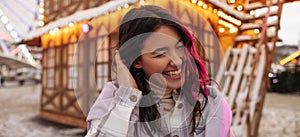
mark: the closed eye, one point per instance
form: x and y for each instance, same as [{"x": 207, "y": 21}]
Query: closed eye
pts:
[
  {"x": 180, "y": 47},
  {"x": 159, "y": 54}
]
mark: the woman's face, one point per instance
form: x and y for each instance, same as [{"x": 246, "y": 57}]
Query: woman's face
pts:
[{"x": 163, "y": 57}]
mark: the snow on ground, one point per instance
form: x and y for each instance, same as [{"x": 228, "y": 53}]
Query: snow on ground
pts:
[
  {"x": 281, "y": 116},
  {"x": 19, "y": 115}
]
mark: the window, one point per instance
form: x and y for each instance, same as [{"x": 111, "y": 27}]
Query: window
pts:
[
  {"x": 72, "y": 56},
  {"x": 50, "y": 67},
  {"x": 102, "y": 62}
]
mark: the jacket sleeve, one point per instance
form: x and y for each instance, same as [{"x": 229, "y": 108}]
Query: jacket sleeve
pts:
[
  {"x": 217, "y": 116},
  {"x": 218, "y": 125},
  {"x": 111, "y": 113}
]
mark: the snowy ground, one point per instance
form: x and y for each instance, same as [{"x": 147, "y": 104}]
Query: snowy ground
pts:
[
  {"x": 20, "y": 108},
  {"x": 281, "y": 116},
  {"x": 19, "y": 115}
]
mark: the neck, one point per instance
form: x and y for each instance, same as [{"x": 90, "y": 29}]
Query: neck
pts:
[{"x": 160, "y": 91}]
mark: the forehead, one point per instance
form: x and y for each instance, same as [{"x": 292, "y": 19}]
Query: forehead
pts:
[{"x": 164, "y": 36}]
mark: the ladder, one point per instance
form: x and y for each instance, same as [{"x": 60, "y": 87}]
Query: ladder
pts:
[{"x": 243, "y": 71}]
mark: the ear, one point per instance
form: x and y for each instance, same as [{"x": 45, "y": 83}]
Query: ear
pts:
[{"x": 138, "y": 64}]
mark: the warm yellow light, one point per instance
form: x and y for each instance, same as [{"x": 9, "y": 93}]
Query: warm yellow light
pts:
[
  {"x": 221, "y": 30},
  {"x": 238, "y": 22},
  {"x": 240, "y": 7},
  {"x": 215, "y": 10},
  {"x": 231, "y": 1},
  {"x": 229, "y": 18},
  {"x": 71, "y": 24},
  {"x": 56, "y": 30},
  {"x": 289, "y": 58},
  {"x": 200, "y": 3},
  {"x": 252, "y": 12},
  {"x": 42, "y": 4},
  {"x": 220, "y": 21},
  {"x": 220, "y": 13},
  {"x": 232, "y": 30},
  {"x": 142, "y": 2},
  {"x": 41, "y": 10},
  {"x": 194, "y": 1},
  {"x": 41, "y": 23},
  {"x": 41, "y": 17},
  {"x": 256, "y": 31},
  {"x": 51, "y": 32},
  {"x": 226, "y": 24},
  {"x": 204, "y": 6}
]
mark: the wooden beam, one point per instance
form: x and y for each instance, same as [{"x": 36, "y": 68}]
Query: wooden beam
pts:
[{"x": 64, "y": 119}]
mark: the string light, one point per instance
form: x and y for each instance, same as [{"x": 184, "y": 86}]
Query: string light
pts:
[
  {"x": 119, "y": 8},
  {"x": 239, "y": 7},
  {"x": 9, "y": 27},
  {"x": 51, "y": 32},
  {"x": 56, "y": 30},
  {"x": 41, "y": 23},
  {"x": 14, "y": 34},
  {"x": 231, "y": 1},
  {"x": 231, "y": 27},
  {"x": 4, "y": 19},
  {"x": 71, "y": 24},
  {"x": 41, "y": 17},
  {"x": 41, "y": 4},
  {"x": 221, "y": 14},
  {"x": 233, "y": 30},
  {"x": 229, "y": 18},
  {"x": 85, "y": 26},
  {"x": 41, "y": 11},
  {"x": 252, "y": 12},
  {"x": 215, "y": 10},
  {"x": 221, "y": 30},
  {"x": 126, "y": 6},
  {"x": 200, "y": 3},
  {"x": 142, "y": 2}
]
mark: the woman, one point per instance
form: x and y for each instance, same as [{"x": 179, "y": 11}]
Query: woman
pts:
[{"x": 161, "y": 87}]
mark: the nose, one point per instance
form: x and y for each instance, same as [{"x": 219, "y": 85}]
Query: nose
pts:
[{"x": 176, "y": 61}]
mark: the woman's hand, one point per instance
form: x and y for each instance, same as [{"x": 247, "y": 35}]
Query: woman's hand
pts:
[{"x": 123, "y": 75}]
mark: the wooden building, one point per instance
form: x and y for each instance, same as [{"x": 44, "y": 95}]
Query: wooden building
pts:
[{"x": 78, "y": 47}]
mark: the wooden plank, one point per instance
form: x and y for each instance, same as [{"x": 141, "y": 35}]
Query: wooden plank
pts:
[
  {"x": 64, "y": 119},
  {"x": 237, "y": 92}
]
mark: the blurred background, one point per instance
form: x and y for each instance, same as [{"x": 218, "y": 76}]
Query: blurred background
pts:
[{"x": 55, "y": 58}]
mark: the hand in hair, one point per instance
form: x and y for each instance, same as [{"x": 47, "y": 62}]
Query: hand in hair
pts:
[{"x": 123, "y": 75}]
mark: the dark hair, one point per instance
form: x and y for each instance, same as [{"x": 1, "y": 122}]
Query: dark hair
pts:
[{"x": 147, "y": 19}]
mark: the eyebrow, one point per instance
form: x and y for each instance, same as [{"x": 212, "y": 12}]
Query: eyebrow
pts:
[
  {"x": 165, "y": 48},
  {"x": 180, "y": 40}
]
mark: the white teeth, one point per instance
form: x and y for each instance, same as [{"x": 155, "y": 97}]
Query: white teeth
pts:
[{"x": 177, "y": 72}]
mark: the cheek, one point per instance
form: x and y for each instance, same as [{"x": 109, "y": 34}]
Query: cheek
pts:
[{"x": 154, "y": 66}]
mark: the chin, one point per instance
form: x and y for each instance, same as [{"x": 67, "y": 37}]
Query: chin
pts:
[{"x": 174, "y": 85}]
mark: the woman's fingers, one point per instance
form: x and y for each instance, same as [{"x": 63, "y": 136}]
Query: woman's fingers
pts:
[
  {"x": 118, "y": 58},
  {"x": 123, "y": 75},
  {"x": 121, "y": 68}
]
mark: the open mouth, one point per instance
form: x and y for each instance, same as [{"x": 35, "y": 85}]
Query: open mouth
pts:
[{"x": 174, "y": 74}]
